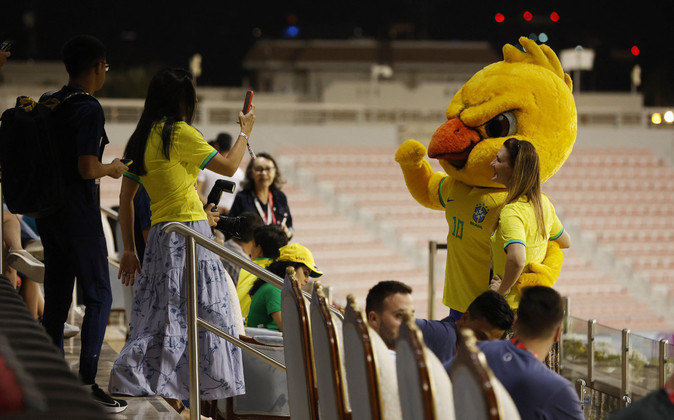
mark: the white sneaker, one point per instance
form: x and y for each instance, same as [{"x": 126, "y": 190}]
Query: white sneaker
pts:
[
  {"x": 69, "y": 330},
  {"x": 22, "y": 261}
]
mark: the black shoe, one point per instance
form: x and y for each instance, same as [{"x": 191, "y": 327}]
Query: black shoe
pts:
[{"x": 109, "y": 404}]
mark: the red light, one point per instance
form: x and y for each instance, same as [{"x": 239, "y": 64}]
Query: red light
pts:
[
  {"x": 554, "y": 16},
  {"x": 635, "y": 50},
  {"x": 499, "y": 18},
  {"x": 528, "y": 16}
]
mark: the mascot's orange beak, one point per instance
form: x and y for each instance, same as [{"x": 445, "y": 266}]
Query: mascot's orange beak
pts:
[{"x": 453, "y": 142}]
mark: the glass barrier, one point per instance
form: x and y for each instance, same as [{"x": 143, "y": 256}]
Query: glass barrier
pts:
[
  {"x": 607, "y": 356},
  {"x": 644, "y": 362},
  {"x": 574, "y": 346}
]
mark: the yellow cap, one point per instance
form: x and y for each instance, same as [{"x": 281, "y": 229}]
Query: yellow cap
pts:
[{"x": 300, "y": 254}]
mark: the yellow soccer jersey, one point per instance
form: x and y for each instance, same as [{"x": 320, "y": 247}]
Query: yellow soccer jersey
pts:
[
  {"x": 470, "y": 215},
  {"x": 245, "y": 283},
  {"x": 517, "y": 224},
  {"x": 171, "y": 183}
]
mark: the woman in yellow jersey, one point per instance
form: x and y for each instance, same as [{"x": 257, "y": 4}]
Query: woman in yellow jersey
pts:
[
  {"x": 525, "y": 222},
  {"x": 167, "y": 154}
]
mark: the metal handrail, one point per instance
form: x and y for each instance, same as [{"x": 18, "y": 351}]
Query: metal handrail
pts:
[
  {"x": 192, "y": 238},
  {"x": 110, "y": 213},
  {"x": 237, "y": 259}
]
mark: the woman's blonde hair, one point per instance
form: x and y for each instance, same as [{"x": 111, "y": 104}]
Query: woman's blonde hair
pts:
[{"x": 525, "y": 180}]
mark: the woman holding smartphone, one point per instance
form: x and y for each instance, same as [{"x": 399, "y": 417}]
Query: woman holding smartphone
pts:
[
  {"x": 526, "y": 221},
  {"x": 167, "y": 154}
]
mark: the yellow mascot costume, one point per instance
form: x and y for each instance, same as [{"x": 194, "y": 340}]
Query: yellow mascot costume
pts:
[{"x": 526, "y": 96}]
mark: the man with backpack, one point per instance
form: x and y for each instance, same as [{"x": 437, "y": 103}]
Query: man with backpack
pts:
[{"x": 73, "y": 239}]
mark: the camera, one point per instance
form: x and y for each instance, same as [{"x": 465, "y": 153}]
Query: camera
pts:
[{"x": 228, "y": 225}]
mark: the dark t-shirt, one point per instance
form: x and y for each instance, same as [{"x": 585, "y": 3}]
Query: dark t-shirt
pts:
[
  {"x": 538, "y": 392},
  {"x": 245, "y": 201},
  {"x": 79, "y": 130},
  {"x": 78, "y": 125},
  {"x": 439, "y": 337}
]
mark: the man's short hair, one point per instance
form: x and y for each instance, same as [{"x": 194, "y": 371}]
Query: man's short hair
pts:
[
  {"x": 82, "y": 53},
  {"x": 540, "y": 312},
  {"x": 249, "y": 222},
  {"x": 270, "y": 238},
  {"x": 382, "y": 290},
  {"x": 223, "y": 141},
  {"x": 493, "y": 307}
]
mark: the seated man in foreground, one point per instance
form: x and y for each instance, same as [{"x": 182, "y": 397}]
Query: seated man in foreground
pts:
[
  {"x": 537, "y": 391},
  {"x": 384, "y": 307},
  {"x": 489, "y": 316}
]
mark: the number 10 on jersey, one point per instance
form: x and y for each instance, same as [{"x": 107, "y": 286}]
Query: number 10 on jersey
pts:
[{"x": 457, "y": 231}]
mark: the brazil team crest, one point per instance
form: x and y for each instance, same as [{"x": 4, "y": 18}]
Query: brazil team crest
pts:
[{"x": 480, "y": 213}]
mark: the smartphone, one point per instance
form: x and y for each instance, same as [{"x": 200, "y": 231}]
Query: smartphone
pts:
[
  {"x": 6, "y": 45},
  {"x": 247, "y": 102},
  {"x": 126, "y": 162}
]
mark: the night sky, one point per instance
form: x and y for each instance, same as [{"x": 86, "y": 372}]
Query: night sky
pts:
[{"x": 152, "y": 34}]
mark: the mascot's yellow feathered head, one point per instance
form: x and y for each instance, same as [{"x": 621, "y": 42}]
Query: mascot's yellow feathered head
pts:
[{"x": 527, "y": 96}]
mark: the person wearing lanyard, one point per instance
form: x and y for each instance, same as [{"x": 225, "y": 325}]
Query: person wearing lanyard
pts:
[
  {"x": 262, "y": 194},
  {"x": 537, "y": 391}
]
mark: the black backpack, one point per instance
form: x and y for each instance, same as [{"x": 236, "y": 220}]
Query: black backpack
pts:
[{"x": 32, "y": 172}]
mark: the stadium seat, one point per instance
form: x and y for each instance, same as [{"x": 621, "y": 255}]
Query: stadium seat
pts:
[
  {"x": 298, "y": 352},
  {"x": 370, "y": 369},
  {"x": 478, "y": 394},
  {"x": 426, "y": 391},
  {"x": 326, "y": 333}
]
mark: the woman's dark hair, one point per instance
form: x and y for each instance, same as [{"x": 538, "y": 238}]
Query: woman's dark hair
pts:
[
  {"x": 270, "y": 238},
  {"x": 278, "y": 268},
  {"x": 249, "y": 182},
  {"x": 171, "y": 97}
]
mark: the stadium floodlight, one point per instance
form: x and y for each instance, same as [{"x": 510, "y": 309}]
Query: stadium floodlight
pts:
[
  {"x": 669, "y": 117},
  {"x": 656, "y": 118}
]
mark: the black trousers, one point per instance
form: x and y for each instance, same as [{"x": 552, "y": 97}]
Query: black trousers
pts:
[{"x": 74, "y": 246}]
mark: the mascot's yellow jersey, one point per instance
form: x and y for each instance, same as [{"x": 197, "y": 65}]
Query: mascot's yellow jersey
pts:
[
  {"x": 470, "y": 213},
  {"x": 517, "y": 224}
]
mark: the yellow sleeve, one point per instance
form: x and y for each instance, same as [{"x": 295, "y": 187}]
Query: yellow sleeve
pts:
[
  {"x": 557, "y": 228},
  {"x": 192, "y": 149},
  {"x": 512, "y": 227}
]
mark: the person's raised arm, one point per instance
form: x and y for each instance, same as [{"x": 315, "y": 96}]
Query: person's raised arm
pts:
[
  {"x": 128, "y": 264},
  {"x": 228, "y": 165}
]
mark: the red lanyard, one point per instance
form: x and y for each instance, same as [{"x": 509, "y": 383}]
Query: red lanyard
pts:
[
  {"x": 519, "y": 345},
  {"x": 270, "y": 217}
]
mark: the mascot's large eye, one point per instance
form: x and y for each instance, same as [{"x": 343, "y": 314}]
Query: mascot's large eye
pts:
[{"x": 502, "y": 125}]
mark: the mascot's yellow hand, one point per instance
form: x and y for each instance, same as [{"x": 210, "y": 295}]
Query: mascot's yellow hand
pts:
[
  {"x": 422, "y": 182},
  {"x": 410, "y": 153},
  {"x": 546, "y": 273}
]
